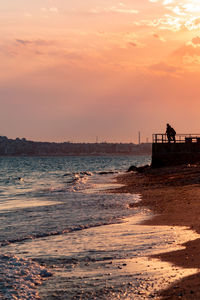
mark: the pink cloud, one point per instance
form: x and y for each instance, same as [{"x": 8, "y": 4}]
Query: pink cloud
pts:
[
  {"x": 196, "y": 40},
  {"x": 164, "y": 68}
]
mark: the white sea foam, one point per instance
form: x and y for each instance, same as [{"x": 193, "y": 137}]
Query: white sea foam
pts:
[
  {"x": 20, "y": 277},
  {"x": 109, "y": 262},
  {"x": 51, "y": 202}
]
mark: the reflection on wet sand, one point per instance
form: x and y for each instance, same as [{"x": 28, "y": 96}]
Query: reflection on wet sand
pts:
[{"x": 112, "y": 261}]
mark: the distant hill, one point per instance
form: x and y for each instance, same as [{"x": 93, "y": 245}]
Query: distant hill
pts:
[{"x": 20, "y": 147}]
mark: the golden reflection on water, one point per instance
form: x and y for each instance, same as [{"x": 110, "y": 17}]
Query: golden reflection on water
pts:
[
  {"x": 113, "y": 253},
  {"x": 17, "y": 204}
]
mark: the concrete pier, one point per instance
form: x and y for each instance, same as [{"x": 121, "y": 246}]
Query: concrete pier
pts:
[{"x": 186, "y": 150}]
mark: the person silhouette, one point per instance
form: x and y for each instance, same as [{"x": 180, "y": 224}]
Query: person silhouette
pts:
[{"x": 171, "y": 133}]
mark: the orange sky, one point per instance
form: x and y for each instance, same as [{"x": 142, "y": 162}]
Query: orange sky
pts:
[{"x": 99, "y": 68}]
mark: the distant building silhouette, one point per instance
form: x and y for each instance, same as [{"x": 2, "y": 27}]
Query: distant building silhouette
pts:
[{"x": 25, "y": 147}]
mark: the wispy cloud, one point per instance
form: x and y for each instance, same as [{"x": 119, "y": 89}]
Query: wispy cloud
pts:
[
  {"x": 196, "y": 41},
  {"x": 174, "y": 15},
  {"x": 27, "y": 15},
  {"x": 51, "y": 9},
  {"x": 38, "y": 42},
  {"x": 187, "y": 56},
  {"x": 164, "y": 68},
  {"x": 166, "y": 22},
  {"x": 159, "y": 37},
  {"x": 121, "y": 40},
  {"x": 121, "y": 8}
]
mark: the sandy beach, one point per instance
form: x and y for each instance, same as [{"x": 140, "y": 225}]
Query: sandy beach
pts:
[{"x": 173, "y": 194}]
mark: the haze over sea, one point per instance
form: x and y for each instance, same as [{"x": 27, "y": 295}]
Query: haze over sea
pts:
[{"x": 64, "y": 237}]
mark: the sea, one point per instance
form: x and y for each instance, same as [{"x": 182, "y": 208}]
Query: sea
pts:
[{"x": 64, "y": 236}]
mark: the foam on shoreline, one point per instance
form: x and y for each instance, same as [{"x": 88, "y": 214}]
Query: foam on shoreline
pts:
[
  {"x": 110, "y": 261},
  {"x": 20, "y": 277}
]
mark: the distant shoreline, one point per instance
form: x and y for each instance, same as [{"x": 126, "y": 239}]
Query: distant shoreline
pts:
[
  {"x": 23, "y": 147},
  {"x": 78, "y": 155}
]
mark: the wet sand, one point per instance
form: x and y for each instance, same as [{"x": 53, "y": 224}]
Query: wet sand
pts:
[{"x": 173, "y": 194}]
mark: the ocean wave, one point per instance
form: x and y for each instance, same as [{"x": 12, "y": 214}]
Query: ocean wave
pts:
[
  {"x": 72, "y": 182},
  {"x": 4, "y": 243},
  {"x": 12, "y": 180},
  {"x": 78, "y": 176},
  {"x": 77, "y": 181},
  {"x": 20, "y": 277},
  {"x": 81, "y": 176}
]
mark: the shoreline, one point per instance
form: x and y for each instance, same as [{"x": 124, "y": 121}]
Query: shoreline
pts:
[
  {"x": 173, "y": 195},
  {"x": 75, "y": 155}
]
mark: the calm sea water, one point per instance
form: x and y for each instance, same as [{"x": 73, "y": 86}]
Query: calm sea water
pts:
[
  {"x": 44, "y": 196},
  {"x": 63, "y": 237}
]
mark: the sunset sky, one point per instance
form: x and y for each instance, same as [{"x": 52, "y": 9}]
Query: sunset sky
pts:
[{"x": 74, "y": 70}]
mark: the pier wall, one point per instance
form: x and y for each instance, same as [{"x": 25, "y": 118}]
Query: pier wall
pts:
[{"x": 167, "y": 154}]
